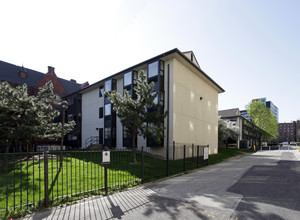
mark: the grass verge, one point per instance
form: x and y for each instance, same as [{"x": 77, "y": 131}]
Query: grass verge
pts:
[{"x": 83, "y": 175}]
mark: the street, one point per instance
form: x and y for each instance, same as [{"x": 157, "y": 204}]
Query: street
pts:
[{"x": 264, "y": 185}]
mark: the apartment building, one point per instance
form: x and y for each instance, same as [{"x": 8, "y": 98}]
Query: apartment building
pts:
[
  {"x": 184, "y": 90},
  {"x": 287, "y": 131},
  {"x": 248, "y": 133}
]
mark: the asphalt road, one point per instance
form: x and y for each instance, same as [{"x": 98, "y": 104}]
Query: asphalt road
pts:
[{"x": 265, "y": 185}]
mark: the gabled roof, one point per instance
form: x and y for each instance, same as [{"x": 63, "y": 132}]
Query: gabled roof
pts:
[
  {"x": 235, "y": 112},
  {"x": 161, "y": 56},
  {"x": 11, "y": 73},
  {"x": 192, "y": 57}
]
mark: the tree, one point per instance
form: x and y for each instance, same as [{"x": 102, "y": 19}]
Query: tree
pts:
[
  {"x": 24, "y": 118},
  {"x": 263, "y": 118},
  {"x": 141, "y": 116},
  {"x": 226, "y": 130}
]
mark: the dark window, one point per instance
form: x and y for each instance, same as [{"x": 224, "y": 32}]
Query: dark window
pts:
[
  {"x": 101, "y": 112},
  {"x": 101, "y": 136},
  {"x": 114, "y": 84},
  {"x": 101, "y": 91},
  {"x": 126, "y": 134},
  {"x": 107, "y": 134}
]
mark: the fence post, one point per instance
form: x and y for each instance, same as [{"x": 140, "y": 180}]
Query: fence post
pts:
[
  {"x": 197, "y": 156},
  {"x": 193, "y": 151},
  {"x": 142, "y": 166},
  {"x": 46, "y": 178},
  {"x": 167, "y": 162},
  {"x": 173, "y": 150},
  {"x": 105, "y": 179},
  {"x": 184, "y": 164}
]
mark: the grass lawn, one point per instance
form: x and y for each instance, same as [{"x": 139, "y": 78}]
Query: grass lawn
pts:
[
  {"x": 225, "y": 153},
  {"x": 83, "y": 173}
]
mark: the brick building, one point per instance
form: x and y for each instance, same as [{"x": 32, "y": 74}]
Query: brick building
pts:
[
  {"x": 287, "y": 131},
  {"x": 63, "y": 89}
]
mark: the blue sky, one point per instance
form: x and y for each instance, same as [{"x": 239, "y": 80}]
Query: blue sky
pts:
[{"x": 249, "y": 47}]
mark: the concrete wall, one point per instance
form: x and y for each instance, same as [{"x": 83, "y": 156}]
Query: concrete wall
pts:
[
  {"x": 194, "y": 120},
  {"x": 91, "y": 102}
]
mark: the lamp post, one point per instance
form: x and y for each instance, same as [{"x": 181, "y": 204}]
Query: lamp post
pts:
[{"x": 64, "y": 105}]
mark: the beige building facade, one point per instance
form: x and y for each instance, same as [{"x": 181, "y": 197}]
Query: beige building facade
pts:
[{"x": 186, "y": 92}]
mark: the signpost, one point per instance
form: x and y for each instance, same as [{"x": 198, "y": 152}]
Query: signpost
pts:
[
  {"x": 105, "y": 157},
  {"x": 205, "y": 153},
  {"x": 105, "y": 161}
]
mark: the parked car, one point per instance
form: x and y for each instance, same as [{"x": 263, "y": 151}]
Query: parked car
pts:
[
  {"x": 284, "y": 144},
  {"x": 293, "y": 143}
]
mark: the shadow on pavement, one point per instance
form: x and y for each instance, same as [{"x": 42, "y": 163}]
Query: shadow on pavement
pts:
[{"x": 264, "y": 186}]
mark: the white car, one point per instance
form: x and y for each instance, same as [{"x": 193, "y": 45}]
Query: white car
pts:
[
  {"x": 293, "y": 143},
  {"x": 284, "y": 144}
]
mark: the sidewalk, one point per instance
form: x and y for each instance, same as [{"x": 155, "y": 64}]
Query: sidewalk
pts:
[
  {"x": 109, "y": 207},
  {"x": 277, "y": 153}
]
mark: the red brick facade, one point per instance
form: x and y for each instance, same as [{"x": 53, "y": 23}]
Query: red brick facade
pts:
[{"x": 51, "y": 76}]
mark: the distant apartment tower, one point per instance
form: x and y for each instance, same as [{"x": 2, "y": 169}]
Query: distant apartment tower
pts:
[
  {"x": 273, "y": 108},
  {"x": 287, "y": 131}
]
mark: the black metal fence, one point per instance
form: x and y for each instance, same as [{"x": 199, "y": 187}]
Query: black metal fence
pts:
[{"x": 40, "y": 179}]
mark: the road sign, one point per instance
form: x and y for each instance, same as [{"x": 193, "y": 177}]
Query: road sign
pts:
[
  {"x": 205, "y": 153},
  {"x": 105, "y": 156}
]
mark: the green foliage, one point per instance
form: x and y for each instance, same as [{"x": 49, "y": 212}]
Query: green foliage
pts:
[
  {"x": 263, "y": 118},
  {"x": 23, "y": 118},
  {"x": 135, "y": 115},
  {"x": 226, "y": 130}
]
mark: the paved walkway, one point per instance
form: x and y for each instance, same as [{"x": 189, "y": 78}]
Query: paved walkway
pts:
[{"x": 264, "y": 185}]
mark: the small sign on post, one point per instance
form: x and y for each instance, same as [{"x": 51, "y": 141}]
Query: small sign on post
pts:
[
  {"x": 105, "y": 157},
  {"x": 205, "y": 153}
]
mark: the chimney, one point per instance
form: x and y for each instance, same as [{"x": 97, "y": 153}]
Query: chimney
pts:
[
  {"x": 73, "y": 80},
  {"x": 51, "y": 70},
  {"x": 22, "y": 73}
]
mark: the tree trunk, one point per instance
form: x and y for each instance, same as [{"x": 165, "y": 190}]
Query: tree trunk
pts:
[
  {"x": 30, "y": 150},
  {"x": 133, "y": 149}
]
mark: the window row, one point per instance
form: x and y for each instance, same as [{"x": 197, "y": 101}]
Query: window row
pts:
[
  {"x": 154, "y": 69},
  {"x": 107, "y": 111}
]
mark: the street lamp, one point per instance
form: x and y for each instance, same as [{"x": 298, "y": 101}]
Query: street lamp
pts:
[{"x": 64, "y": 105}]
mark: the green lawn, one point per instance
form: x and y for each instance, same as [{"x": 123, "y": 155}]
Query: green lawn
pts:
[{"x": 83, "y": 173}]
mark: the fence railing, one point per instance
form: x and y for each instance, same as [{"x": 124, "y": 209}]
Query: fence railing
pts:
[
  {"x": 39, "y": 179},
  {"x": 91, "y": 140}
]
